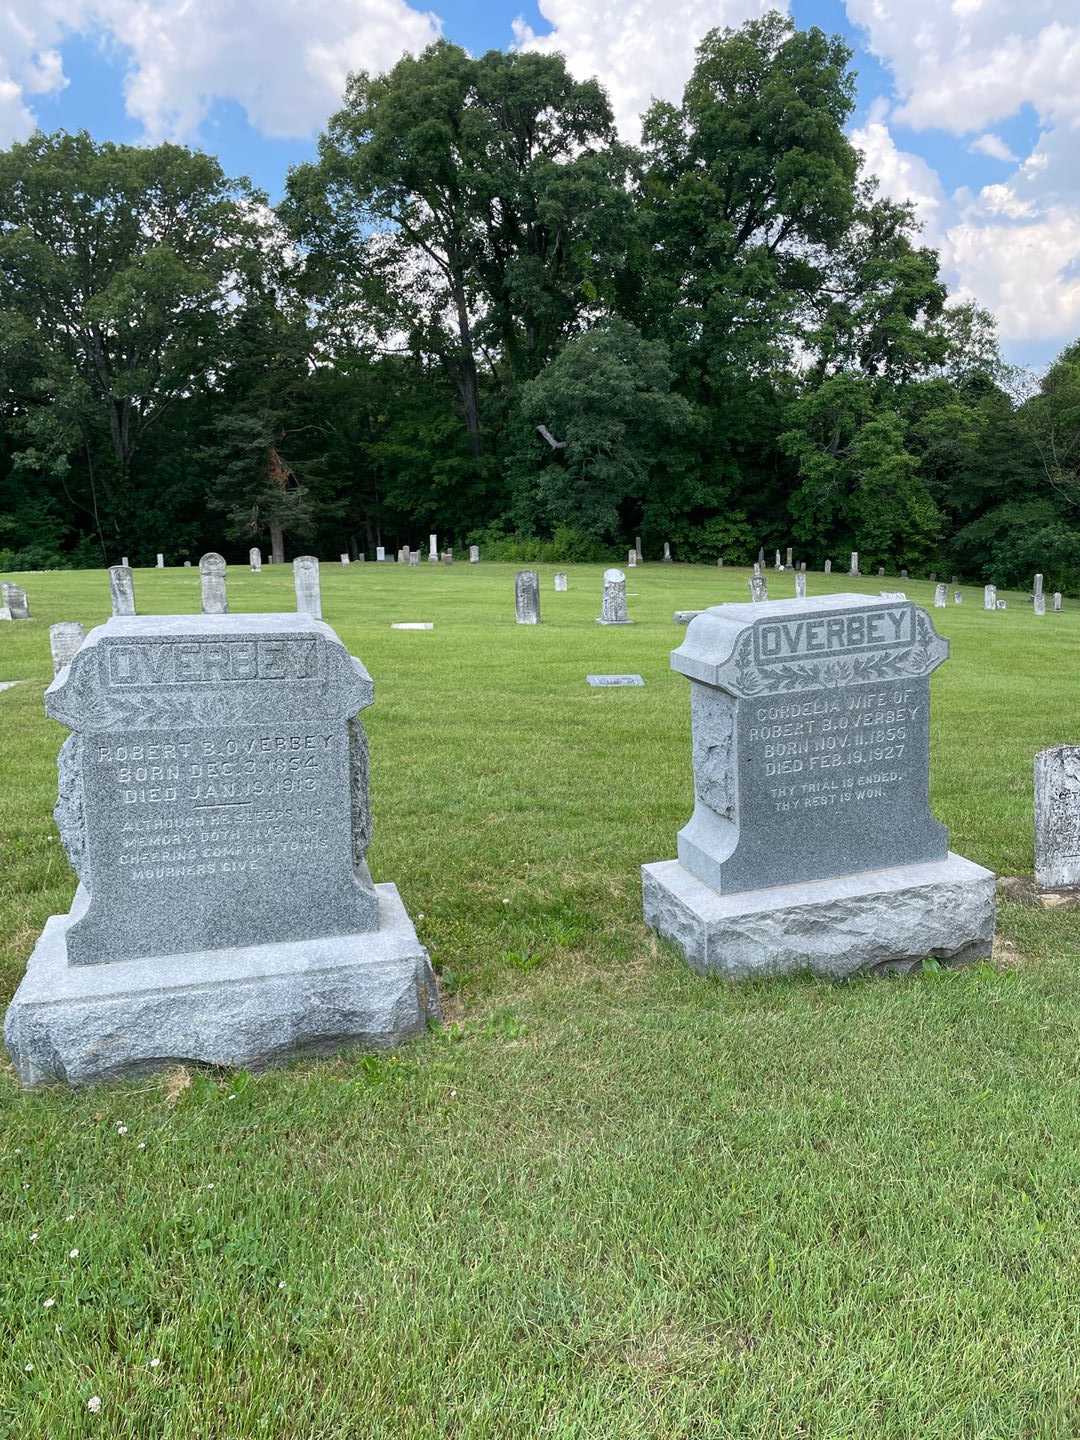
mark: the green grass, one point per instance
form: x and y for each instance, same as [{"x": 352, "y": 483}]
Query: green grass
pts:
[{"x": 607, "y": 1199}]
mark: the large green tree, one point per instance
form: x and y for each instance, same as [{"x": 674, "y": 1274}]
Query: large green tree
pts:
[{"x": 119, "y": 271}]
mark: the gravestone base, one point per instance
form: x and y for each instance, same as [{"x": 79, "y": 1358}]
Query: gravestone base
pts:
[
  {"x": 251, "y": 1006},
  {"x": 880, "y": 920}
]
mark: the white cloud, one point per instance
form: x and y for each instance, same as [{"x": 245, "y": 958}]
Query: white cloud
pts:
[
  {"x": 903, "y": 176},
  {"x": 961, "y": 67},
  {"x": 993, "y": 146},
  {"x": 639, "y": 51},
  {"x": 284, "y": 63}
]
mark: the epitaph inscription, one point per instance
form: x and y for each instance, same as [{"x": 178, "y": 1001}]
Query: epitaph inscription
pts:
[
  {"x": 812, "y": 724},
  {"x": 214, "y": 790}
]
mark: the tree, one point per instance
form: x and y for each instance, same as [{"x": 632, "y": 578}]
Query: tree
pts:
[
  {"x": 607, "y": 397},
  {"x": 465, "y": 210}
]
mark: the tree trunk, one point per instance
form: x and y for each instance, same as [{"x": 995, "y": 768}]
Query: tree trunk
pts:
[
  {"x": 277, "y": 543},
  {"x": 468, "y": 382}
]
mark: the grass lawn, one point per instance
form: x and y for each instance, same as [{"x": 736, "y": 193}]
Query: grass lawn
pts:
[{"x": 607, "y": 1198}]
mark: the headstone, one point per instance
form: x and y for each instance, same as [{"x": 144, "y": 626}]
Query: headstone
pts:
[
  {"x": 802, "y": 567},
  {"x": 433, "y": 548},
  {"x": 1057, "y": 600},
  {"x": 933, "y": 577},
  {"x": 560, "y": 580},
  {"x": 5, "y": 608},
  {"x": 65, "y": 638},
  {"x": 940, "y": 596},
  {"x": 609, "y": 680},
  {"x": 719, "y": 562},
  {"x": 761, "y": 556},
  {"x": 828, "y": 567},
  {"x": 414, "y": 557},
  {"x": 474, "y": 554},
  {"x": 1057, "y": 818},
  {"x": 160, "y": 561},
  {"x": 344, "y": 557},
  {"x": 255, "y": 560},
  {"x": 1002, "y": 605},
  {"x": 122, "y": 590},
  {"x": 891, "y": 595},
  {"x": 778, "y": 564},
  {"x": 380, "y": 553},
  {"x": 989, "y": 597},
  {"x": 903, "y": 575},
  {"x": 447, "y": 557},
  {"x": 787, "y": 558},
  {"x": 412, "y": 625},
  {"x": 759, "y": 589},
  {"x": 1040, "y": 603},
  {"x": 955, "y": 581},
  {"x": 880, "y": 571},
  {"x": 527, "y": 597},
  {"x": 212, "y": 583},
  {"x": 811, "y": 845},
  {"x": 125, "y": 562},
  {"x": 631, "y": 559},
  {"x": 800, "y": 585},
  {"x": 306, "y": 584},
  {"x": 757, "y": 567},
  {"x": 187, "y": 564},
  {"x": 854, "y": 570},
  {"x": 213, "y": 802},
  {"x": 667, "y": 553},
  {"x": 613, "y": 609},
  {"x": 1038, "y": 585},
  {"x": 683, "y": 617},
  {"x": 637, "y": 546},
  {"x": 16, "y": 602},
  {"x": 958, "y": 599}
]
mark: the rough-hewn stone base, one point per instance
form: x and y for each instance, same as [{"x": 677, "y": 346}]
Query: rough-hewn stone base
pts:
[
  {"x": 251, "y": 1006},
  {"x": 880, "y": 920}
]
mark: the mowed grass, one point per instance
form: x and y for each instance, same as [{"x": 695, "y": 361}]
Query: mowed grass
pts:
[{"x": 606, "y": 1198}]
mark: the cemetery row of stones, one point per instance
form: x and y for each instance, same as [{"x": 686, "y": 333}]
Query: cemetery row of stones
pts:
[{"x": 213, "y": 802}]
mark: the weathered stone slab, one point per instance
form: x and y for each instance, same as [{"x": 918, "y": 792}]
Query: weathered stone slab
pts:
[
  {"x": 990, "y": 597},
  {"x": 211, "y": 794},
  {"x": 121, "y": 590},
  {"x": 606, "y": 680},
  {"x": 474, "y": 554},
  {"x": 683, "y": 617},
  {"x": 877, "y": 922},
  {"x": 667, "y": 553},
  {"x": 65, "y": 639},
  {"x": 307, "y": 586},
  {"x": 1057, "y": 818},
  {"x": 212, "y": 583},
  {"x": 15, "y": 601},
  {"x": 412, "y": 625},
  {"x": 249, "y": 1006},
  {"x": 345, "y": 557},
  {"x": 254, "y": 560},
  {"x": 560, "y": 581},
  {"x": 811, "y": 740},
  {"x": 1057, "y": 601},
  {"x": 613, "y": 609},
  {"x": 940, "y": 596},
  {"x": 527, "y": 597},
  {"x": 800, "y": 585}
]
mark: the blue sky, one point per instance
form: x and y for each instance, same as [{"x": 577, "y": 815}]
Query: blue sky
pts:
[{"x": 967, "y": 107}]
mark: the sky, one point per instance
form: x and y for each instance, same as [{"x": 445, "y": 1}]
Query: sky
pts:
[{"x": 969, "y": 108}]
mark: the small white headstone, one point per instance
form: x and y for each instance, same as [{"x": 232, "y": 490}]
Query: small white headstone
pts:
[
  {"x": 1057, "y": 600},
  {"x": 474, "y": 554},
  {"x": 212, "y": 583},
  {"x": 255, "y": 559},
  {"x": 65, "y": 638},
  {"x": 412, "y": 625},
  {"x": 940, "y": 595},
  {"x": 160, "y": 561},
  {"x": 800, "y": 585},
  {"x": 306, "y": 583},
  {"x": 560, "y": 580},
  {"x": 989, "y": 597},
  {"x": 344, "y": 557},
  {"x": 606, "y": 680},
  {"x": 121, "y": 590},
  {"x": 854, "y": 563}
]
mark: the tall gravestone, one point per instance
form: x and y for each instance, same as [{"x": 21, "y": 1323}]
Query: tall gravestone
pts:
[
  {"x": 1057, "y": 818},
  {"x": 433, "y": 549},
  {"x": 1057, "y": 601},
  {"x": 380, "y": 553},
  {"x": 811, "y": 845},
  {"x": 778, "y": 564},
  {"x": 940, "y": 596},
  {"x": 854, "y": 570},
  {"x": 160, "y": 561},
  {"x": 667, "y": 553},
  {"x": 800, "y": 585},
  {"x": 989, "y": 597},
  {"x": 1040, "y": 603},
  {"x": 213, "y": 803},
  {"x": 787, "y": 557},
  {"x": 560, "y": 580},
  {"x": 307, "y": 586},
  {"x": 121, "y": 590},
  {"x": 474, "y": 554},
  {"x": 613, "y": 609},
  {"x": 345, "y": 557},
  {"x": 212, "y": 584},
  {"x": 759, "y": 589},
  {"x": 527, "y": 597},
  {"x": 255, "y": 560},
  {"x": 15, "y": 601},
  {"x": 828, "y": 567},
  {"x": 65, "y": 640}
]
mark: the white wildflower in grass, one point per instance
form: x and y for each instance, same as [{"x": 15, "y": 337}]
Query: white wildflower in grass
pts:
[
  {"x": 94, "y": 1404},
  {"x": 154, "y": 1363},
  {"x": 33, "y": 1235},
  {"x": 281, "y": 1284},
  {"x": 69, "y": 1217},
  {"x": 50, "y": 1302},
  {"x": 142, "y": 1144},
  {"x": 73, "y": 1254},
  {"x": 121, "y": 1129}
]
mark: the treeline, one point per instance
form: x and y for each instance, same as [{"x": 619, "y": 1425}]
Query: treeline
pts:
[{"x": 729, "y": 338}]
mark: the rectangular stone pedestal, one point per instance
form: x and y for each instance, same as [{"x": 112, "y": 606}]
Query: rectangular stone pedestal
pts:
[
  {"x": 879, "y": 920},
  {"x": 248, "y": 1006}
]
